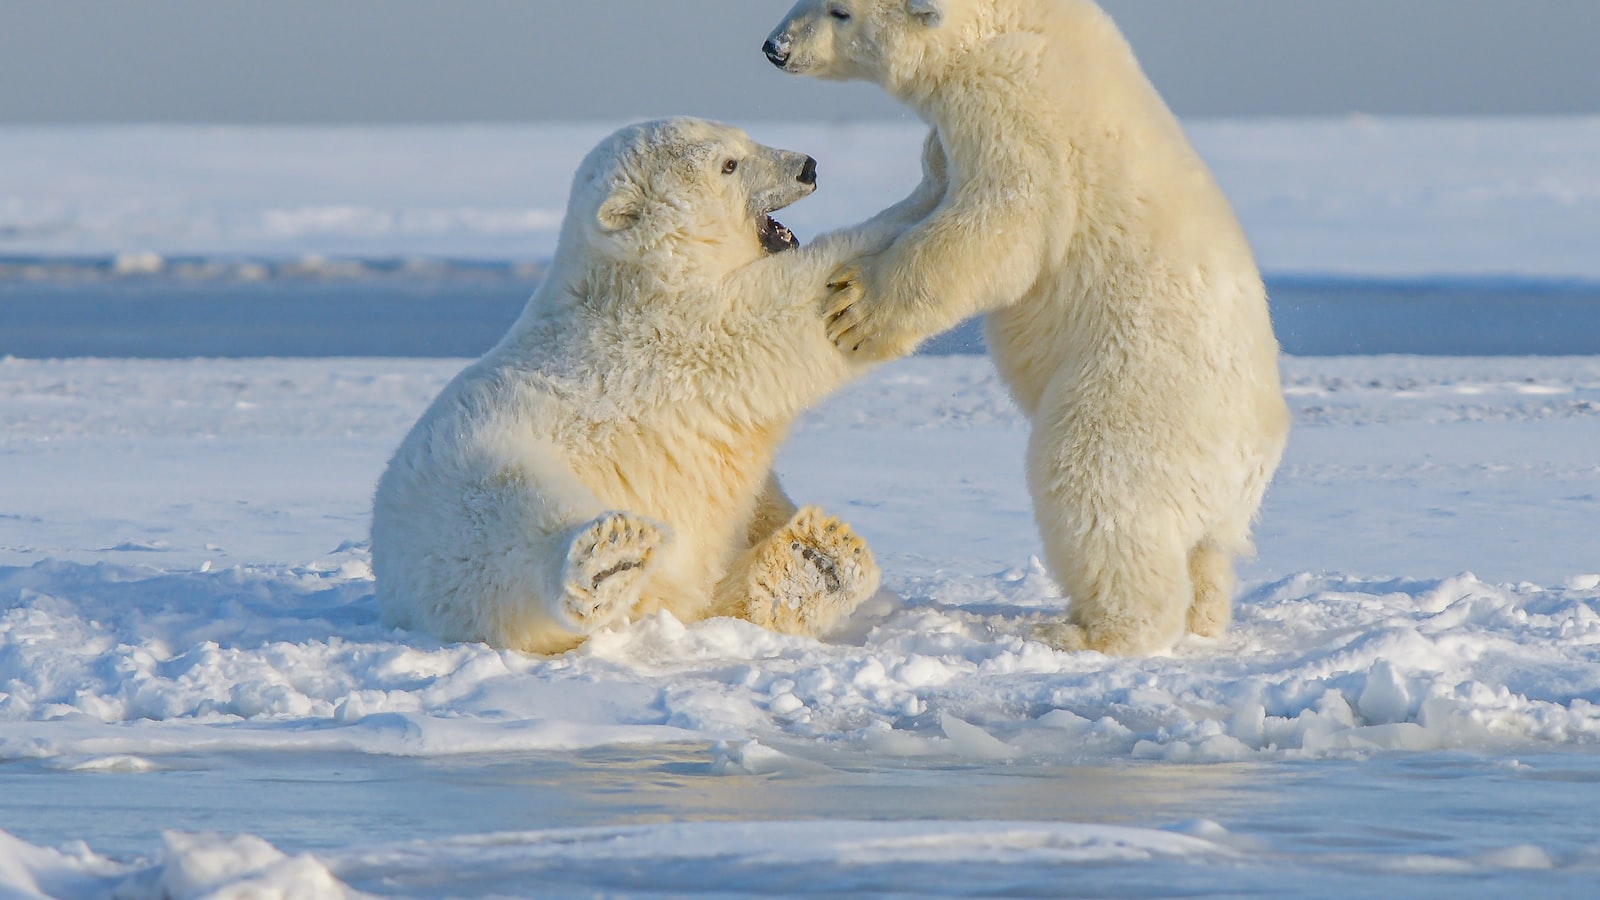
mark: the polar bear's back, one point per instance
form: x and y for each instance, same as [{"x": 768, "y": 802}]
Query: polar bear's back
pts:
[{"x": 1145, "y": 349}]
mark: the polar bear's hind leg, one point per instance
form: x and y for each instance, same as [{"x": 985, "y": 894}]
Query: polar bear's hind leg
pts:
[
  {"x": 1129, "y": 597},
  {"x": 607, "y": 564},
  {"x": 808, "y": 575},
  {"x": 1211, "y": 568}
]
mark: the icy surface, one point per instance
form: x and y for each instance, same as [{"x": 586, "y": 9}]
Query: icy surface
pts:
[
  {"x": 183, "y": 579},
  {"x": 185, "y": 564},
  {"x": 1371, "y": 197}
]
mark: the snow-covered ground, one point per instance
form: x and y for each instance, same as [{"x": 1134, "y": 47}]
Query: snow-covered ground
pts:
[
  {"x": 188, "y": 642},
  {"x": 1414, "y": 198}
]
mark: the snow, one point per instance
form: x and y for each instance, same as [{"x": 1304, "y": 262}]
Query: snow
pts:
[
  {"x": 1353, "y": 197},
  {"x": 183, "y": 578}
]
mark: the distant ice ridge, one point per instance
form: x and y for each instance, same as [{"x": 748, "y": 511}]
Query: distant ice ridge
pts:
[
  {"x": 1356, "y": 197},
  {"x": 146, "y": 264}
]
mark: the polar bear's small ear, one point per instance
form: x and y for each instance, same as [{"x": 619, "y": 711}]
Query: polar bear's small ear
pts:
[
  {"x": 928, "y": 12},
  {"x": 622, "y": 208}
]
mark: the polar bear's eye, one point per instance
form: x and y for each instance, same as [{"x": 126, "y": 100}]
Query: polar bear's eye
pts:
[
  {"x": 730, "y": 167},
  {"x": 839, "y": 14}
]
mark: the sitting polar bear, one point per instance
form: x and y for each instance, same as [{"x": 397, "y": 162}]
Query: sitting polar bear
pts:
[
  {"x": 611, "y": 455},
  {"x": 1125, "y": 309}
]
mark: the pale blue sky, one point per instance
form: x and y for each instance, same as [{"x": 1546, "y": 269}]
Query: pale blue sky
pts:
[{"x": 358, "y": 61}]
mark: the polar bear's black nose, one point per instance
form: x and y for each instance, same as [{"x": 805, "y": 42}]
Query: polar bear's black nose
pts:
[
  {"x": 808, "y": 172},
  {"x": 779, "y": 56}
]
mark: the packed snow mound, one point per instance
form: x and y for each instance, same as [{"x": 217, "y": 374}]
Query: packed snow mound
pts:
[{"x": 113, "y": 667}]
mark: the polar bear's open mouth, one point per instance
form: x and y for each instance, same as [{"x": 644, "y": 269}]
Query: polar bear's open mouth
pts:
[{"x": 775, "y": 236}]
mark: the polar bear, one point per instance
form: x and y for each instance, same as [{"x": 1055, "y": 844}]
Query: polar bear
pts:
[
  {"x": 611, "y": 456},
  {"x": 1125, "y": 310}
]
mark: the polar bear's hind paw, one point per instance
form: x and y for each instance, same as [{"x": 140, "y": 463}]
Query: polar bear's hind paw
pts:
[
  {"x": 825, "y": 567},
  {"x": 607, "y": 564},
  {"x": 814, "y": 572},
  {"x": 1063, "y": 636}
]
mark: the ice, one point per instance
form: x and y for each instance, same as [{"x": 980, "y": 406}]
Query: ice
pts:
[
  {"x": 762, "y": 857},
  {"x": 214, "y": 591},
  {"x": 968, "y": 741}
]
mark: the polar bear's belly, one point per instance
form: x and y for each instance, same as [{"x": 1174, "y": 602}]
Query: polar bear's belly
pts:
[
  {"x": 702, "y": 486},
  {"x": 1031, "y": 340}
]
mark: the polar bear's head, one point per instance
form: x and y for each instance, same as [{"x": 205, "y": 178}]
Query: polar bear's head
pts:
[
  {"x": 695, "y": 191},
  {"x": 871, "y": 40}
]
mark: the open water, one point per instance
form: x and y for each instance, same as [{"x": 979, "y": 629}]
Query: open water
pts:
[{"x": 463, "y": 314}]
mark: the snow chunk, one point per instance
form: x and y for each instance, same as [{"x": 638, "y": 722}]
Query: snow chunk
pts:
[
  {"x": 1583, "y": 582},
  {"x": 971, "y": 741},
  {"x": 27, "y": 871},
  {"x": 208, "y": 865},
  {"x": 1385, "y": 700}
]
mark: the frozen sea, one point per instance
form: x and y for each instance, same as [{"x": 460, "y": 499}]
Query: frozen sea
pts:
[{"x": 196, "y": 697}]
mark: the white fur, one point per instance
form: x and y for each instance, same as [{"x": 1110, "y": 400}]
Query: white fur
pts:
[
  {"x": 611, "y": 455},
  {"x": 1125, "y": 309}
]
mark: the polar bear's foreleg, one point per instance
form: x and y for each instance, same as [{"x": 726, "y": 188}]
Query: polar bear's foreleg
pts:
[
  {"x": 608, "y": 562},
  {"x": 888, "y": 225},
  {"x": 804, "y": 578},
  {"x": 981, "y": 248}
]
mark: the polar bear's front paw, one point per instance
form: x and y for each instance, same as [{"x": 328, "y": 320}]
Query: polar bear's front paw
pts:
[
  {"x": 607, "y": 564},
  {"x": 810, "y": 574},
  {"x": 858, "y": 320},
  {"x": 839, "y": 310}
]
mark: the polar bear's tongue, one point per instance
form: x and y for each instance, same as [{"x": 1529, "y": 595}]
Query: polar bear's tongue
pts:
[{"x": 775, "y": 236}]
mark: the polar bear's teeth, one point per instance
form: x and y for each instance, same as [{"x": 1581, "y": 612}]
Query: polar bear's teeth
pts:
[{"x": 775, "y": 236}]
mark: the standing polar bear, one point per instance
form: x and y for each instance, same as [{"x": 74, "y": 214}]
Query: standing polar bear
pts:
[
  {"x": 611, "y": 456},
  {"x": 1126, "y": 312}
]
